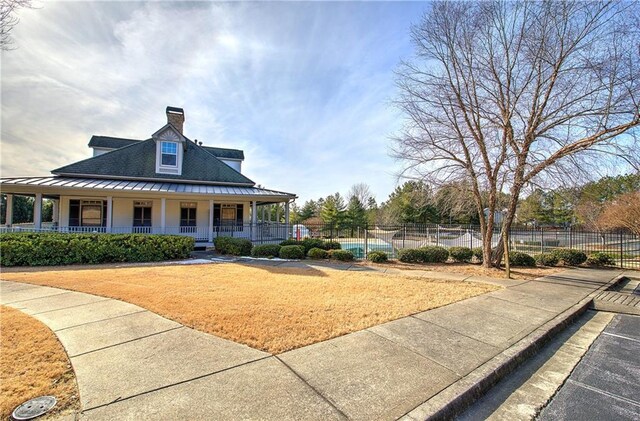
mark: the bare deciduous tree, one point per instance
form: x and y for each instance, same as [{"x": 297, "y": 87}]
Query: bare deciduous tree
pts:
[
  {"x": 507, "y": 94},
  {"x": 624, "y": 213},
  {"x": 361, "y": 191},
  {"x": 8, "y": 20}
]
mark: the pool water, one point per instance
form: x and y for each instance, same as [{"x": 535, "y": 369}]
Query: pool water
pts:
[{"x": 357, "y": 247}]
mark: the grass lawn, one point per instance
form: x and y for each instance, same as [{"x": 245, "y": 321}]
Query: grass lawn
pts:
[
  {"x": 269, "y": 308},
  {"x": 32, "y": 363}
]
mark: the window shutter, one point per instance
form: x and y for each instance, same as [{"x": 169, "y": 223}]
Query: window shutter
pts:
[{"x": 104, "y": 213}]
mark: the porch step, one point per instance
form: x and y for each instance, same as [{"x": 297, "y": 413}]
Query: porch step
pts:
[{"x": 617, "y": 302}]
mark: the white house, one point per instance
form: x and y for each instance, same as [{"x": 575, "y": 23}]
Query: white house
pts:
[{"x": 165, "y": 184}]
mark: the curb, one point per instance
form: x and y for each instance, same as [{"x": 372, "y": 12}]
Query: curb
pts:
[{"x": 457, "y": 397}]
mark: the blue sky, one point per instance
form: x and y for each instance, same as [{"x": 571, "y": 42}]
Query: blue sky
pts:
[{"x": 304, "y": 88}]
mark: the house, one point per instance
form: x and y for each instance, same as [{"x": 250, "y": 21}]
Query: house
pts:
[
  {"x": 167, "y": 184},
  {"x": 498, "y": 215}
]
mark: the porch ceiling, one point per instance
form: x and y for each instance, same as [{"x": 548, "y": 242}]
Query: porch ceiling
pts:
[{"x": 75, "y": 185}]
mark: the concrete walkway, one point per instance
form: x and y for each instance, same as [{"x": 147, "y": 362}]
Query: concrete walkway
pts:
[{"x": 133, "y": 364}]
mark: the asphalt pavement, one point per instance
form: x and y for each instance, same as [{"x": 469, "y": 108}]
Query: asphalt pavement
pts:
[{"x": 605, "y": 385}]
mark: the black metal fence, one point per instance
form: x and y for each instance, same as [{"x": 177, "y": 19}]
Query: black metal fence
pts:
[{"x": 624, "y": 247}]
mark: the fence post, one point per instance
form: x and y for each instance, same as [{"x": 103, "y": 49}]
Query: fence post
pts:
[
  {"x": 437, "y": 235},
  {"x": 404, "y": 234},
  {"x": 366, "y": 242},
  {"x": 541, "y": 240},
  {"x": 621, "y": 252},
  {"x": 570, "y": 237}
]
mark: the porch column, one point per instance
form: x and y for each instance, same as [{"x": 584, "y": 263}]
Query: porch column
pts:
[
  {"x": 286, "y": 213},
  {"x": 56, "y": 211},
  {"x": 286, "y": 219},
  {"x": 109, "y": 213},
  {"x": 163, "y": 215},
  {"x": 211, "y": 221},
  {"x": 277, "y": 213},
  {"x": 9, "y": 211},
  {"x": 37, "y": 212},
  {"x": 254, "y": 212},
  {"x": 254, "y": 218},
  {"x": 262, "y": 210}
]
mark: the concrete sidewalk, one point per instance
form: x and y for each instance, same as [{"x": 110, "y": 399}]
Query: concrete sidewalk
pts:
[{"x": 133, "y": 364}]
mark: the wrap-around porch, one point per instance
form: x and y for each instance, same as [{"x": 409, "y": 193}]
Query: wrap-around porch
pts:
[{"x": 242, "y": 213}]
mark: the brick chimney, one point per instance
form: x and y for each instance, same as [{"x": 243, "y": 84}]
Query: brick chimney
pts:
[{"x": 175, "y": 116}]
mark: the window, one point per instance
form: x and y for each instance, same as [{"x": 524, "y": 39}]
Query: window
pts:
[
  {"x": 74, "y": 213},
  {"x": 87, "y": 213},
  {"x": 142, "y": 213},
  {"x": 188, "y": 214},
  {"x": 228, "y": 216},
  {"x": 169, "y": 151}
]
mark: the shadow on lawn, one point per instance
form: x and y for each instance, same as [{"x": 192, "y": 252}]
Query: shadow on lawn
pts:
[
  {"x": 310, "y": 266},
  {"x": 286, "y": 268}
]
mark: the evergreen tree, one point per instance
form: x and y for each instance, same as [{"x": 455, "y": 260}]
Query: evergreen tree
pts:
[
  {"x": 333, "y": 210},
  {"x": 356, "y": 214}
]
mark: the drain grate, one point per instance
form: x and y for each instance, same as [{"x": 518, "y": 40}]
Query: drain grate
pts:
[{"x": 34, "y": 408}]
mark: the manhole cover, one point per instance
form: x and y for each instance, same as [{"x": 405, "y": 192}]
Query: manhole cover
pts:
[{"x": 34, "y": 408}]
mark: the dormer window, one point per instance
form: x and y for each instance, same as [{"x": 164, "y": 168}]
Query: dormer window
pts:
[
  {"x": 170, "y": 149},
  {"x": 169, "y": 152}
]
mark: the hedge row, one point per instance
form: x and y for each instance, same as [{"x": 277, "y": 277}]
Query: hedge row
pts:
[
  {"x": 289, "y": 249},
  {"x": 431, "y": 254},
  {"x": 49, "y": 249},
  {"x": 319, "y": 249},
  {"x": 310, "y": 243},
  {"x": 571, "y": 257},
  {"x": 435, "y": 254}
]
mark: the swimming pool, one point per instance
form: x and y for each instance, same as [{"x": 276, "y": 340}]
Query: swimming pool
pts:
[{"x": 357, "y": 245}]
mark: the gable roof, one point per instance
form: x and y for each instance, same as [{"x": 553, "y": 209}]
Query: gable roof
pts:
[
  {"x": 109, "y": 142},
  {"x": 138, "y": 161}
]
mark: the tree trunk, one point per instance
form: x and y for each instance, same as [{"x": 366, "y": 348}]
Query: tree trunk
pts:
[{"x": 507, "y": 221}]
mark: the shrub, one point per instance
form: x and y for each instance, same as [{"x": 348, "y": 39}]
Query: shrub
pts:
[
  {"x": 309, "y": 243},
  {"x": 477, "y": 253},
  {"x": 434, "y": 254},
  {"x": 377, "y": 256},
  {"x": 570, "y": 257},
  {"x": 233, "y": 246},
  {"x": 318, "y": 253},
  {"x": 342, "y": 255},
  {"x": 291, "y": 243},
  {"x": 292, "y": 252},
  {"x": 332, "y": 245},
  {"x": 461, "y": 254},
  {"x": 410, "y": 256},
  {"x": 517, "y": 258},
  {"x": 266, "y": 250},
  {"x": 546, "y": 259},
  {"x": 43, "y": 249},
  {"x": 599, "y": 258}
]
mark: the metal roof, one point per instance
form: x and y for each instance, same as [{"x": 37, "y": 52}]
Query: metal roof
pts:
[{"x": 139, "y": 186}]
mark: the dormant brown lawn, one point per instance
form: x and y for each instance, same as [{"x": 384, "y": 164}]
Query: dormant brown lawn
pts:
[
  {"x": 32, "y": 363},
  {"x": 268, "y": 308},
  {"x": 518, "y": 273}
]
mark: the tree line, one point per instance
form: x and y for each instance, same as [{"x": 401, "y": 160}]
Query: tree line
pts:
[{"x": 608, "y": 203}]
